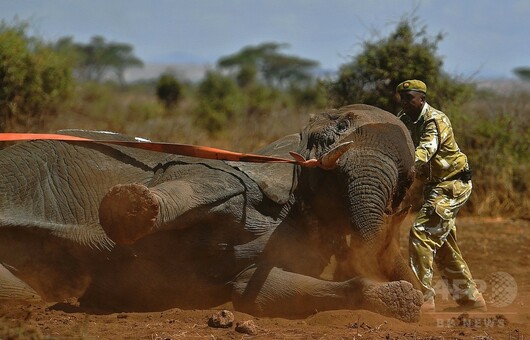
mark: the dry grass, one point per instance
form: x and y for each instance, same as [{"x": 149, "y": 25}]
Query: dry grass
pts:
[
  {"x": 137, "y": 112},
  {"x": 494, "y": 131}
]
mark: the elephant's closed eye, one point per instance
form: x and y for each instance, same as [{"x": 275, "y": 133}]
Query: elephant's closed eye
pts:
[{"x": 342, "y": 126}]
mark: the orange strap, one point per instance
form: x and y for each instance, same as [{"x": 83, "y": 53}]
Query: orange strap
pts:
[{"x": 177, "y": 149}]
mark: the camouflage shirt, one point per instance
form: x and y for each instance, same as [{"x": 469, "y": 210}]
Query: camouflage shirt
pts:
[{"x": 437, "y": 156}]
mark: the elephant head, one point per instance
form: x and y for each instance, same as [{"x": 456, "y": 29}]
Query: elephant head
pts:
[{"x": 372, "y": 173}]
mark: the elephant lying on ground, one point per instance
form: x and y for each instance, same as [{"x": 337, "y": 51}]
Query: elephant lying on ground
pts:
[{"x": 123, "y": 229}]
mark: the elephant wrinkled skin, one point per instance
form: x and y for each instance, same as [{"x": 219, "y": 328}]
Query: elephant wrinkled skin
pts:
[{"x": 123, "y": 229}]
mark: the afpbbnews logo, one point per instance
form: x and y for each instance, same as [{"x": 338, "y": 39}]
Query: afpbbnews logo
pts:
[
  {"x": 499, "y": 289},
  {"x": 465, "y": 320}
]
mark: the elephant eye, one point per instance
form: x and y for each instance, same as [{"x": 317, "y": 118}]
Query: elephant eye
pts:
[{"x": 342, "y": 126}]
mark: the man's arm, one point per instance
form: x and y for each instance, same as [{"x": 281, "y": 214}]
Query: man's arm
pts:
[{"x": 428, "y": 144}]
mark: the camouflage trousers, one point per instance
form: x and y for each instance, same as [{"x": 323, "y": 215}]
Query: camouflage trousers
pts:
[{"x": 433, "y": 240}]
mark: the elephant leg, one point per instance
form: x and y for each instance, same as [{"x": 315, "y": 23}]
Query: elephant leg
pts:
[
  {"x": 275, "y": 292},
  {"x": 398, "y": 299},
  {"x": 129, "y": 212}
]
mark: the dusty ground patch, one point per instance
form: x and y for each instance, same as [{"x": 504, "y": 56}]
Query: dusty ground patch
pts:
[{"x": 497, "y": 251}]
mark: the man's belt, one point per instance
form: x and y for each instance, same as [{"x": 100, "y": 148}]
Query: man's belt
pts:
[{"x": 464, "y": 176}]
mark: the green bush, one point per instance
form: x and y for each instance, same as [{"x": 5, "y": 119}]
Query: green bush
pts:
[
  {"x": 219, "y": 102},
  {"x": 259, "y": 99},
  {"x": 34, "y": 80},
  {"x": 408, "y": 53},
  {"x": 168, "y": 90}
]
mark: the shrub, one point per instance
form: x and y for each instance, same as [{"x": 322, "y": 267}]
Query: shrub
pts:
[
  {"x": 34, "y": 80},
  {"x": 372, "y": 76},
  {"x": 168, "y": 90},
  {"x": 220, "y": 101}
]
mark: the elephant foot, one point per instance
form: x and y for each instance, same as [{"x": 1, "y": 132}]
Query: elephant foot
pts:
[
  {"x": 398, "y": 299},
  {"x": 128, "y": 212}
]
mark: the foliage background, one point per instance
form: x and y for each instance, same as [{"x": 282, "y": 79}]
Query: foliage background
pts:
[{"x": 260, "y": 94}]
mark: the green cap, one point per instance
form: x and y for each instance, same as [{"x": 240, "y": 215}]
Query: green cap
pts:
[{"x": 412, "y": 85}]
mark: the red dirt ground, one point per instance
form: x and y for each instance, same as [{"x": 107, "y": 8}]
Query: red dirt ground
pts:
[{"x": 493, "y": 248}]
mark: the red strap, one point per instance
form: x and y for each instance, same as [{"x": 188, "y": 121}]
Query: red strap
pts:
[
  {"x": 177, "y": 149},
  {"x": 8, "y": 137}
]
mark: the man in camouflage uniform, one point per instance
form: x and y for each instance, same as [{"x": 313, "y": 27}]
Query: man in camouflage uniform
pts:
[{"x": 444, "y": 170}]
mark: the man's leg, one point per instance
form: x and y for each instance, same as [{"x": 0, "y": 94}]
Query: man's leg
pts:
[
  {"x": 427, "y": 235},
  {"x": 448, "y": 257},
  {"x": 455, "y": 271},
  {"x": 421, "y": 254}
]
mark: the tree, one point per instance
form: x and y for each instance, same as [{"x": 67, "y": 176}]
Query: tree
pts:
[
  {"x": 264, "y": 62},
  {"x": 287, "y": 70},
  {"x": 407, "y": 53},
  {"x": 523, "y": 73},
  {"x": 96, "y": 60},
  {"x": 34, "y": 79},
  {"x": 168, "y": 89},
  {"x": 219, "y": 101}
]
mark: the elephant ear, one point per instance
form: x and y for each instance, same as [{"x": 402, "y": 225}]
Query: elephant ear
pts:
[{"x": 276, "y": 180}]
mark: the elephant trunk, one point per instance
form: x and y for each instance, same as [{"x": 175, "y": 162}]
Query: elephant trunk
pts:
[{"x": 370, "y": 191}]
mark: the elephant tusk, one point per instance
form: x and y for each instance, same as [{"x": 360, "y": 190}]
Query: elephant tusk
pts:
[
  {"x": 329, "y": 160},
  {"x": 300, "y": 160}
]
